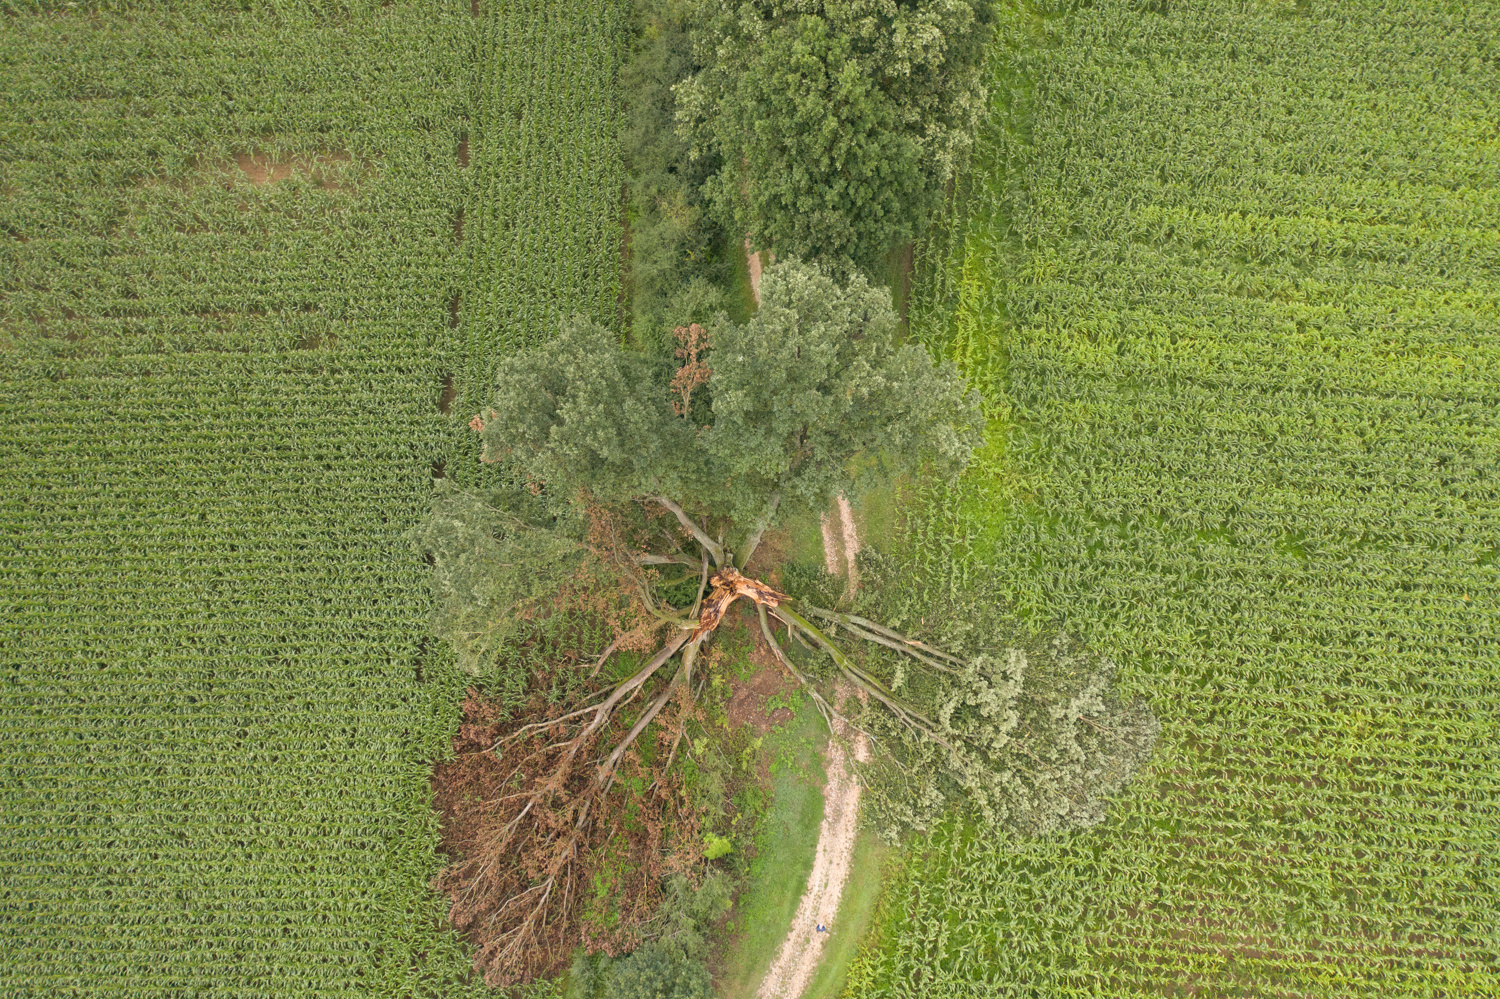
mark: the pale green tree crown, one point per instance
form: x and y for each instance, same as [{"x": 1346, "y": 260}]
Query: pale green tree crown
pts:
[{"x": 816, "y": 380}]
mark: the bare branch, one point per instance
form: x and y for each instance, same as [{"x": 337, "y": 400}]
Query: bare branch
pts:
[
  {"x": 702, "y": 585},
  {"x": 765, "y": 628},
  {"x": 904, "y": 646},
  {"x": 649, "y": 559},
  {"x": 709, "y": 544},
  {"x": 607, "y": 653},
  {"x": 684, "y": 675},
  {"x": 827, "y": 710},
  {"x": 547, "y": 723},
  {"x": 859, "y": 677},
  {"x": 854, "y": 620},
  {"x": 602, "y": 713}
]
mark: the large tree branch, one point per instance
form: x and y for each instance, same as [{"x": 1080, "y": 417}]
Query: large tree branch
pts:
[
  {"x": 913, "y": 718},
  {"x": 827, "y": 710},
  {"x": 605, "y": 656},
  {"x": 760, "y": 528},
  {"x": 649, "y": 559},
  {"x": 605, "y": 710},
  {"x": 765, "y": 629},
  {"x": 684, "y": 677},
  {"x": 709, "y": 544},
  {"x": 702, "y": 585},
  {"x": 871, "y": 632}
]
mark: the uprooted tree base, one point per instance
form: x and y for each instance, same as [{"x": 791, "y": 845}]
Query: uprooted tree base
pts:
[{"x": 532, "y": 804}]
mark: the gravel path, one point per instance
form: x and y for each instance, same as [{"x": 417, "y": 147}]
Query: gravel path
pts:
[{"x": 800, "y": 952}]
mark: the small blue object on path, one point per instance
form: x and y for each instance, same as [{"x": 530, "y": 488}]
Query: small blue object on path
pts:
[{"x": 821, "y": 928}]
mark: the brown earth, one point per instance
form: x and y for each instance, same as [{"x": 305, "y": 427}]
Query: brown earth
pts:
[
  {"x": 748, "y": 697},
  {"x": 260, "y": 169}
]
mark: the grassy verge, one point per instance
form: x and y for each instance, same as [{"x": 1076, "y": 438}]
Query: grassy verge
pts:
[
  {"x": 855, "y": 917},
  {"x": 786, "y": 843},
  {"x": 741, "y": 297}
]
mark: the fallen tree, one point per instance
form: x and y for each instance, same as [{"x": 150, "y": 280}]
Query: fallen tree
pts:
[{"x": 649, "y": 478}]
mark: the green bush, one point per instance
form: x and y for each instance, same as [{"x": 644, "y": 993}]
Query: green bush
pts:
[{"x": 679, "y": 258}]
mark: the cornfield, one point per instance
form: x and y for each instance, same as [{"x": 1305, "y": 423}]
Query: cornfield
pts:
[
  {"x": 1230, "y": 274},
  {"x": 247, "y": 254}
]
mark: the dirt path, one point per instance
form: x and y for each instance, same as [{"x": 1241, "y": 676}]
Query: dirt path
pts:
[
  {"x": 752, "y": 260},
  {"x": 841, "y": 544},
  {"x": 800, "y": 952}
]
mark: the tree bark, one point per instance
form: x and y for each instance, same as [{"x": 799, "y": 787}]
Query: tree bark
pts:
[
  {"x": 709, "y": 544},
  {"x": 760, "y": 529}
]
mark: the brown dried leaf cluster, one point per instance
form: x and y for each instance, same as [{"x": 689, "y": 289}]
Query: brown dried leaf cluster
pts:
[
  {"x": 529, "y": 833},
  {"x": 691, "y": 340}
]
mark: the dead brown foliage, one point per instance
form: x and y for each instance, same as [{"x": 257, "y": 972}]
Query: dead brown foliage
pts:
[
  {"x": 520, "y": 891},
  {"x": 694, "y": 373}
]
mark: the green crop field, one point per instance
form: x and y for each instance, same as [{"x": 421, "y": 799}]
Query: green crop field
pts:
[
  {"x": 233, "y": 279},
  {"x": 1230, "y": 272}
]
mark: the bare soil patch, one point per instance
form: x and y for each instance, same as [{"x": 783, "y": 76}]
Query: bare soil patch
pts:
[
  {"x": 748, "y": 698},
  {"x": 261, "y": 170}
]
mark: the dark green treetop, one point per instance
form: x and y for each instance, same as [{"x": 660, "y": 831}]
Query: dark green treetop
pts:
[{"x": 837, "y": 122}]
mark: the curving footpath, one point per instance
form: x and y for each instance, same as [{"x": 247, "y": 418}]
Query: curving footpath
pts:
[{"x": 799, "y": 954}]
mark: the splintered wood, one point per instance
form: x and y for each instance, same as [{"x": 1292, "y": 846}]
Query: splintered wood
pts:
[{"x": 729, "y": 586}]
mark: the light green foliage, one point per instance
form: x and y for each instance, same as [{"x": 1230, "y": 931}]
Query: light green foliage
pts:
[
  {"x": 814, "y": 380},
  {"x": 818, "y": 378},
  {"x": 491, "y": 569},
  {"x": 1230, "y": 269},
  {"x": 715, "y": 847},
  {"x": 652, "y": 973},
  {"x": 1037, "y": 740},
  {"x": 217, "y": 424},
  {"x": 672, "y": 964},
  {"x": 1030, "y": 753},
  {"x": 837, "y": 123},
  {"x": 580, "y": 412}
]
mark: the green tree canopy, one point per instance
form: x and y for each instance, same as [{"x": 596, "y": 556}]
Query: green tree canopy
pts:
[
  {"x": 770, "y": 417},
  {"x": 632, "y": 464},
  {"x": 838, "y": 122}
]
